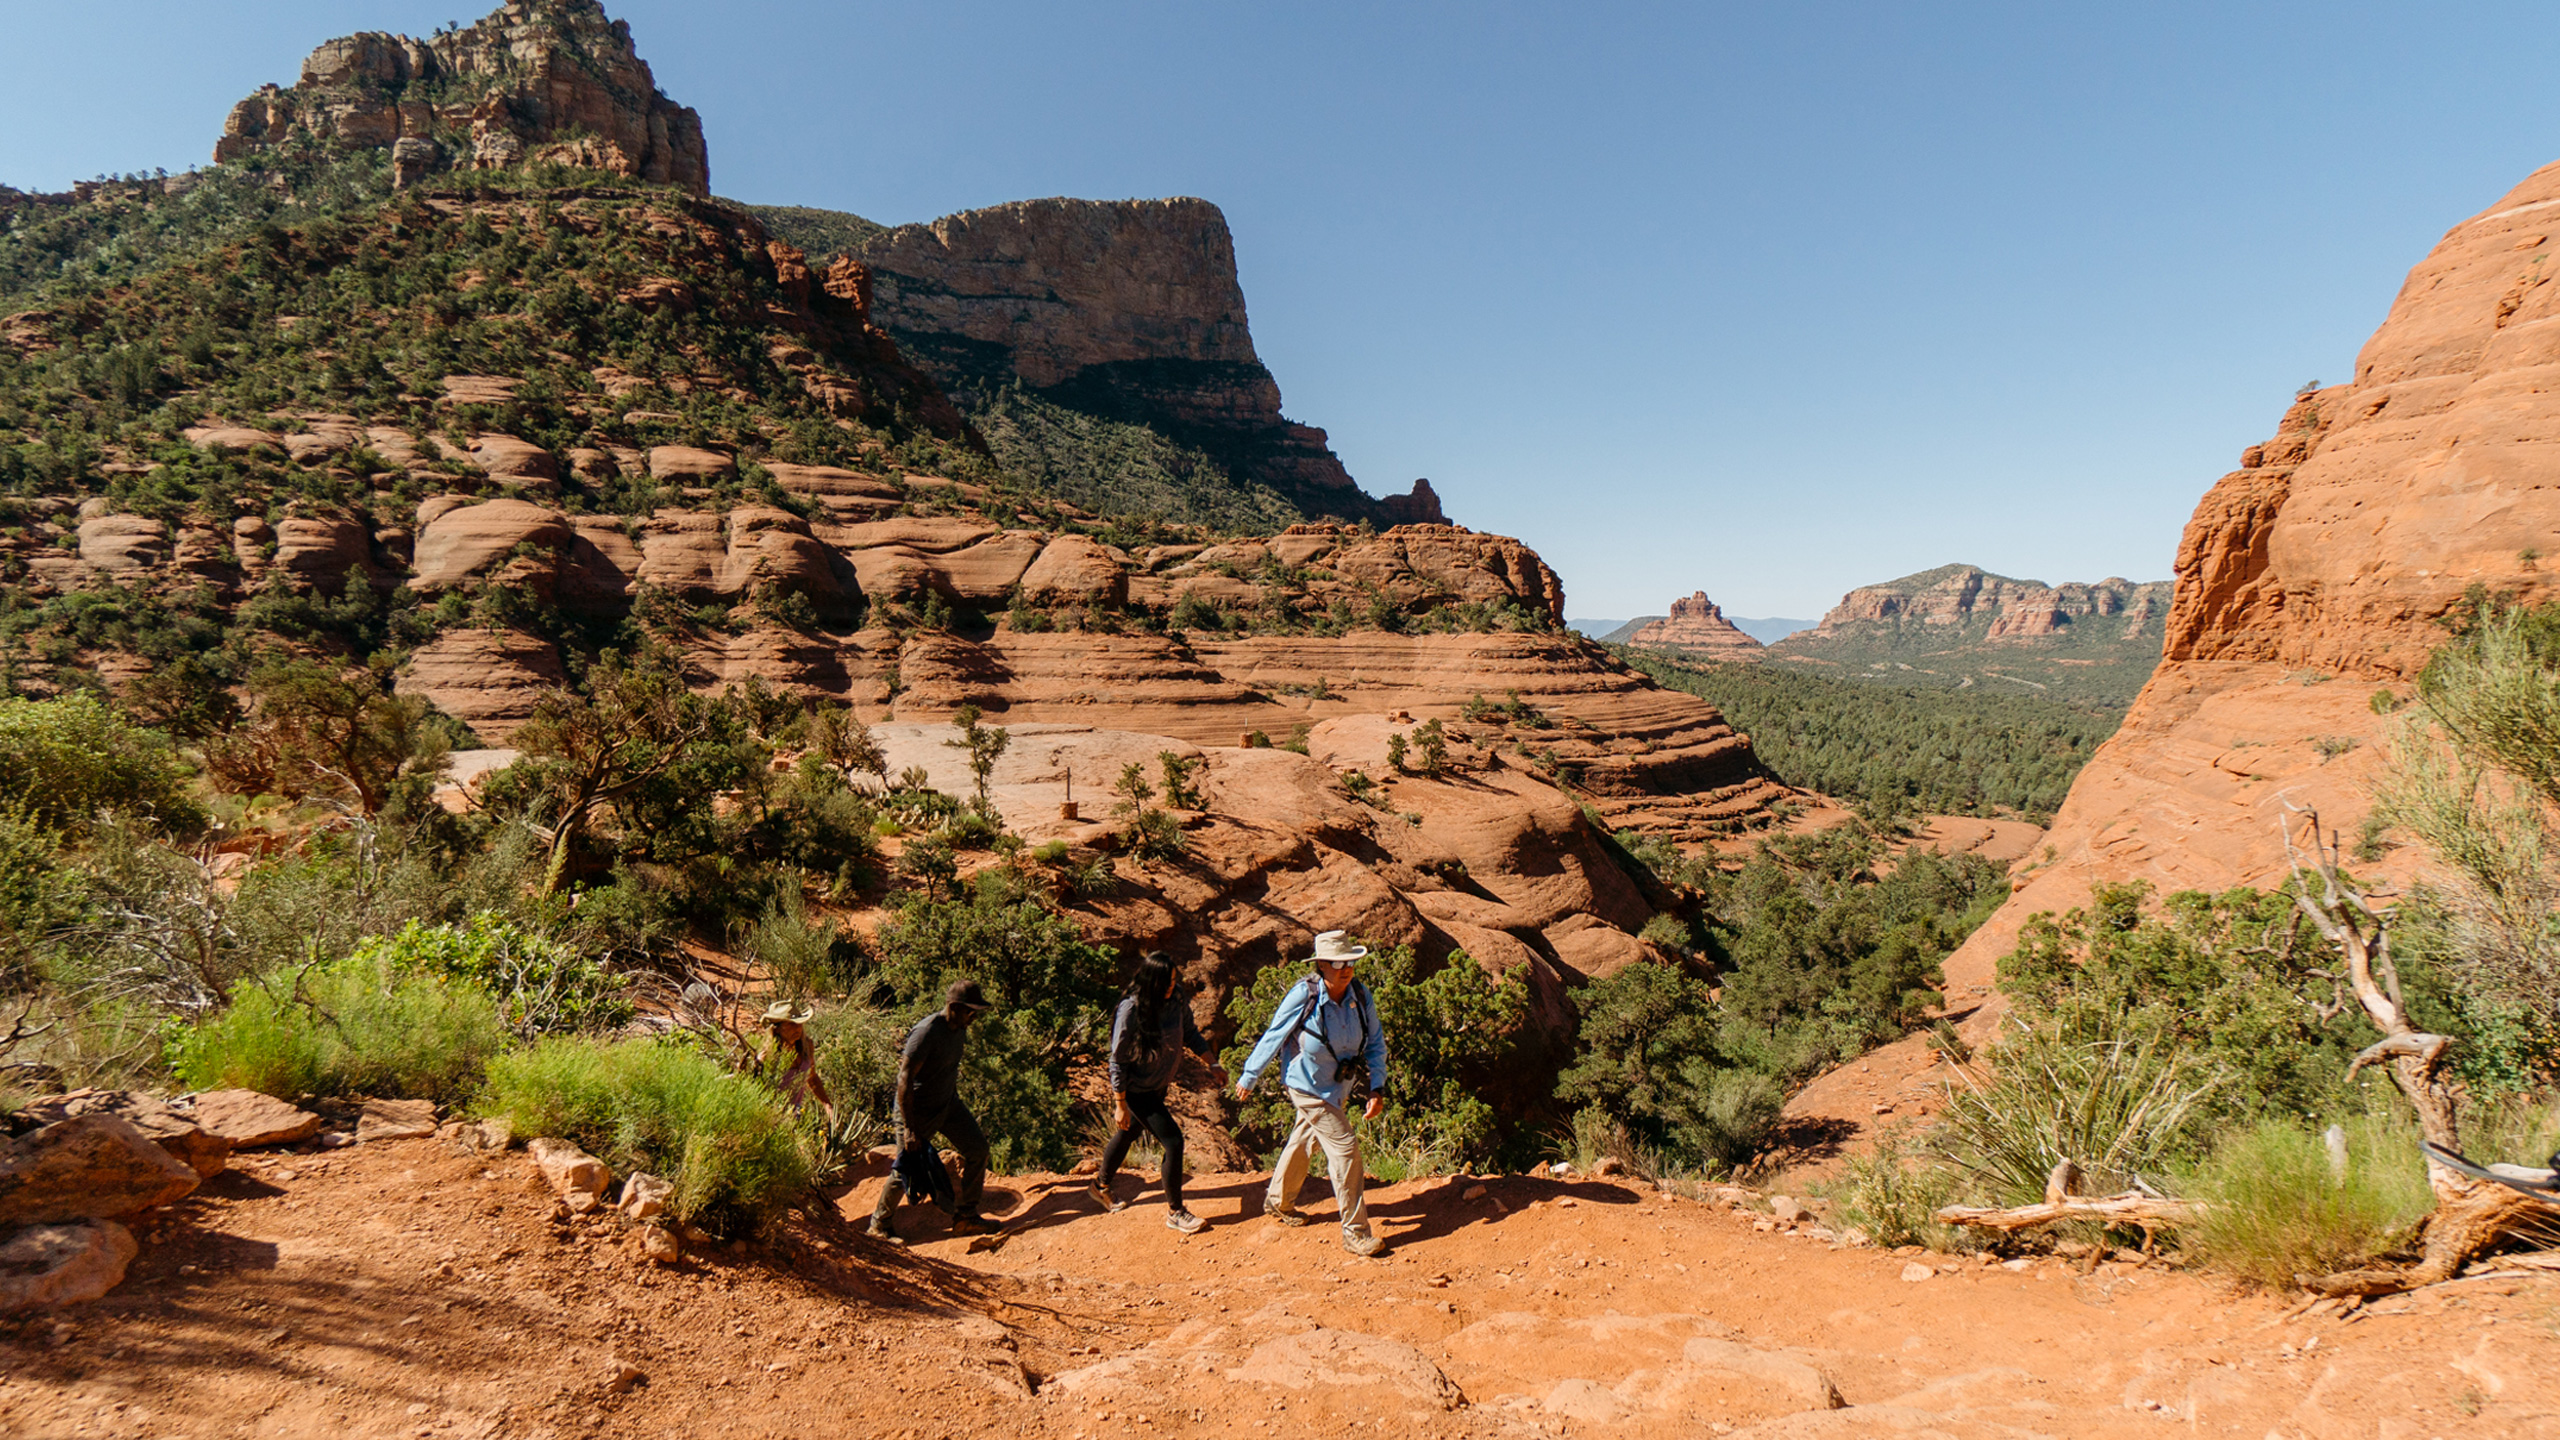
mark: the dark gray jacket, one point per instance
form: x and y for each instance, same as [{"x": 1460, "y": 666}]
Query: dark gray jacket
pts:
[
  {"x": 929, "y": 1072},
  {"x": 1176, "y": 1033}
]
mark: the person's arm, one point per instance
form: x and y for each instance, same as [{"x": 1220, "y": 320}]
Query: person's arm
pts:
[
  {"x": 1192, "y": 1039},
  {"x": 1120, "y": 1022},
  {"x": 910, "y": 1063},
  {"x": 1293, "y": 1010},
  {"x": 1377, "y": 1058}
]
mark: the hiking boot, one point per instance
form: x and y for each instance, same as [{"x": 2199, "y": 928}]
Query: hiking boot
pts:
[
  {"x": 1289, "y": 1215},
  {"x": 1184, "y": 1221},
  {"x": 1100, "y": 1190},
  {"x": 882, "y": 1233},
  {"x": 1364, "y": 1246},
  {"x": 974, "y": 1225}
]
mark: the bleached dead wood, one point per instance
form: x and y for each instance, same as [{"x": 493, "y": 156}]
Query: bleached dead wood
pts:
[
  {"x": 2471, "y": 1215},
  {"x": 2130, "y": 1208}
]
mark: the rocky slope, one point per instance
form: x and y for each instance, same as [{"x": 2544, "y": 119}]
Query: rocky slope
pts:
[
  {"x": 537, "y": 80},
  {"x": 2316, "y": 574},
  {"x": 1961, "y": 625},
  {"x": 1697, "y": 629}
]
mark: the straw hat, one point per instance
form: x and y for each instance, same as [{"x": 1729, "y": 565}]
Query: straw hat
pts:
[
  {"x": 780, "y": 1012},
  {"x": 1334, "y": 947}
]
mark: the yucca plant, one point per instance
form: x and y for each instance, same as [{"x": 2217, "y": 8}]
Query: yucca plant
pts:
[{"x": 2113, "y": 1094}]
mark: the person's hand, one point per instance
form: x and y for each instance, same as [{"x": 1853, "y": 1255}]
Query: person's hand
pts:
[
  {"x": 1244, "y": 1090},
  {"x": 1121, "y": 1116},
  {"x": 1373, "y": 1109}
]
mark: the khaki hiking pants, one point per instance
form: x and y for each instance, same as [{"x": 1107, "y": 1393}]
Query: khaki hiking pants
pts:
[{"x": 1321, "y": 1124}]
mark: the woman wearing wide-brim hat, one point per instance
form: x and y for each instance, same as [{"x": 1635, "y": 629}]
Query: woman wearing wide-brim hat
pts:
[{"x": 789, "y": 1026}]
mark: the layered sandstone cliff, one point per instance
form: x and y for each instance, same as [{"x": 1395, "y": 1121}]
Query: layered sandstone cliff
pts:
[
  {"x": 536, "y": 80},
  {"x": 1126, "y": 309},
  {"x": 1953, "y": 597},
  {"x": 1696, "y": 627},
  {"x": 2316, "y": 574}
]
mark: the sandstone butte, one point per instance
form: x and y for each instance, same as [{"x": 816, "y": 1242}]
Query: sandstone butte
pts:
[
  {"x": 2313, "y": 578},
  {"x": 539, "y": 80},
  {"x": 1696, "y": 627}
]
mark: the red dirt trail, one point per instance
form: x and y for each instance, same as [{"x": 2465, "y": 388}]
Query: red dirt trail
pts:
[{"x": 414, "y": 1289}]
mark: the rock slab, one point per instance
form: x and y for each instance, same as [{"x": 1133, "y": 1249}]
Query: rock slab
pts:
[
  {"x": 252, "y": 1121},
  {"x": 48, "y": 1265},
  {"x": 85, "y": 1168}
]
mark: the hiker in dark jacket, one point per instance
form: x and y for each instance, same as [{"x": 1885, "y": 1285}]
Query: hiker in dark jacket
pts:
[
  {"x": 929, "y": 1106},
  {"x": 1148, "y": 1036}
]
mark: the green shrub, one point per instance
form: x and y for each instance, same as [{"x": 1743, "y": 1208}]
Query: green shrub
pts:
[
  {"x": 798, "y": 956},
  {"x": 1893, "y": 1192},
  {"x": 62, "y": 761},
  {"x": 2275, "y": 1208},
  {"x": 542, "y": 986},
  {"x": 2120, "y": 1098},
  {"x": 727, "y": 1141},
  {"x": 362, "y": 1026}
]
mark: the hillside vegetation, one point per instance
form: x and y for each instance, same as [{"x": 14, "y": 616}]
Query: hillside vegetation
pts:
[{"x": 1897, "y": 747}]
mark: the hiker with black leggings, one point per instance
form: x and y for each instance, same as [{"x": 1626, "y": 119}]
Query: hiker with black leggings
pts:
[{"x": 1148, "y": 1036}]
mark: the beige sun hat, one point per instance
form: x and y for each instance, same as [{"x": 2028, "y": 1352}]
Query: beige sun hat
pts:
[
  {"x": 780, "y": 1012},
  {"x": 1334, "y": 947}
]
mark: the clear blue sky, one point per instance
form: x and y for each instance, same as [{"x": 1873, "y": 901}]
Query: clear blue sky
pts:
[{"x": 1766, "y": 300}]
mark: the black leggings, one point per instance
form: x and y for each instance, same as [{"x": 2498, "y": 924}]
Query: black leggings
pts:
[{"x": 1147, "y": 1108}]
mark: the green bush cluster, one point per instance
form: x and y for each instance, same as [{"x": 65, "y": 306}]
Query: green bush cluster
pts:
[
  {"x": 63, "y": 761},
  {"x": 362, "y": 1026},
  {"x": 733, "y": 1152}
]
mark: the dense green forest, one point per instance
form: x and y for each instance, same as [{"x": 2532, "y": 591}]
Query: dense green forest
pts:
[{"x": 1895, "y": 748}]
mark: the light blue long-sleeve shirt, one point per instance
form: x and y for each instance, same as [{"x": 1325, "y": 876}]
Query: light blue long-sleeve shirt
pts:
[{"x": 1314, "y": 1070}]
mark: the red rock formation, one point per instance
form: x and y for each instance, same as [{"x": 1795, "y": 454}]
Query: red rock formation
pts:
[
  {"x": 1697, "y": 627},
  {"x": 535, "y": 80},
  {"x": 1125, "y": 307},
  {"x": 1956, "y": 596},
  {"x": 2317, "y": 572}
]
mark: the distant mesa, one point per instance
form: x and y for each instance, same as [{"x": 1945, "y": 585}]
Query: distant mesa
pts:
[
  {"x": 1696, "y": 627},
  {"x": 537, "y": 80}
]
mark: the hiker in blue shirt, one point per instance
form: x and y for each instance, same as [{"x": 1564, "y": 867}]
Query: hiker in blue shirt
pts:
[{"x": 1326, "y": 1032}]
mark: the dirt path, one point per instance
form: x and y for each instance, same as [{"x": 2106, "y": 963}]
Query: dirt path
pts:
[{"x": 410, "y": 1289}]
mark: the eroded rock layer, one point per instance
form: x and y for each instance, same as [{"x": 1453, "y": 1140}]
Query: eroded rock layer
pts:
[{"x": 2316, "y": 574}]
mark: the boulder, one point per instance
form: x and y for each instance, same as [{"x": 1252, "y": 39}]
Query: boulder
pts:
[
  {"x": 578, "y": 1177},
  {"x": 644, "y": 1196},
  {"x": 251, "y": 1121},
  {"x": 123, "y": 544},
  {"x": 683, "y": 462},
  {"x": 183, "y": 1136},
  {"x": 63, "y": 1264},
  {"x": 489, "y": 680},
  {"x": 321, "y": 550},
  {"x": 1329, "y": 1360},
  {"x": 683, "y": 552},
  {"x": 930, "y": 534},
  {"x": 87, "y": 1167},
  {"x": 1073, "y": 570},
  {"x": 504, "y": 457},
  {"x": 458, "y": 543}
]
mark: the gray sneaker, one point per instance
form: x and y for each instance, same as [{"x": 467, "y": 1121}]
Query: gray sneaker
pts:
[
  {"x": 1364, "y": 1246},
  {"x": 1100, "y": 1190},
  {"x": 1289, "y": 1215},
  {"x": 1184, "y": 1221}
]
